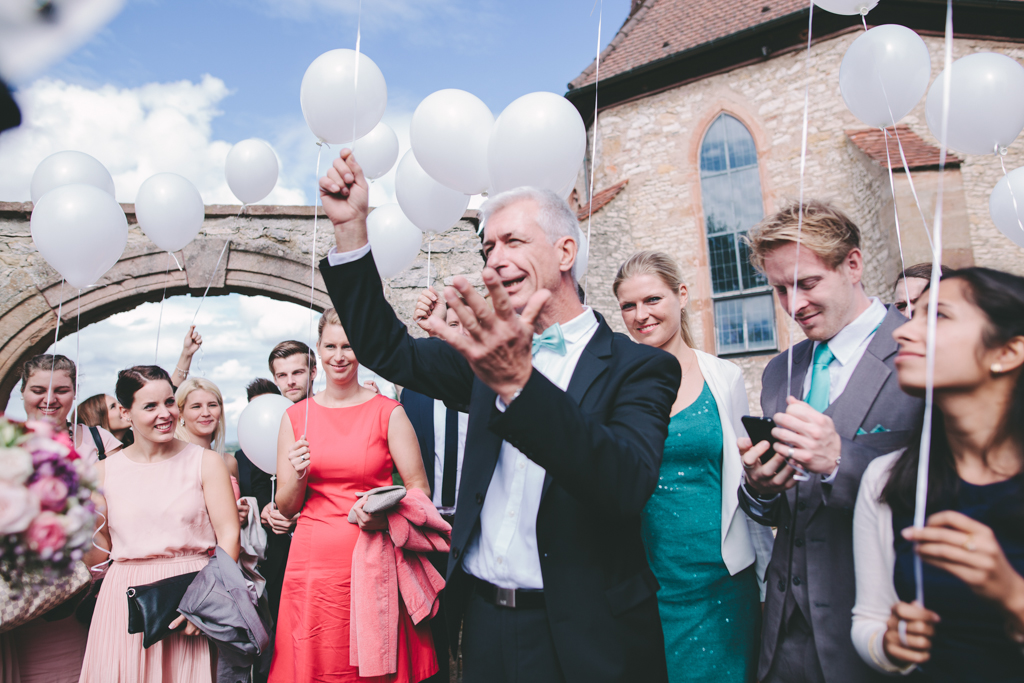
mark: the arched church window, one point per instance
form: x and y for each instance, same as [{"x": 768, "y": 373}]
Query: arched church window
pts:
[{"x": 731, "y": 196}]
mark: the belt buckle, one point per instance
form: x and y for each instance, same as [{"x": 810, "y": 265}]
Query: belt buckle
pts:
[{"x": 505, "y": 597}]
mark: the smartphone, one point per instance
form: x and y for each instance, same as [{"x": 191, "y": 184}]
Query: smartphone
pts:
[{"x": 760, "y": 429}]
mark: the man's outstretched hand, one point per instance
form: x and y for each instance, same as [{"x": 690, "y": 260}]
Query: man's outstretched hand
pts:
[
  {"x": 346, "y": 196},
  {"x": 497, "y": 343}
]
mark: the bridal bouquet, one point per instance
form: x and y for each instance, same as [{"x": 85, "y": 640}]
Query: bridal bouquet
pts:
[{"x": 46, "y": 519}]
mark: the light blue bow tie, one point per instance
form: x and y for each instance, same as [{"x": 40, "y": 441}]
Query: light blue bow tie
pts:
[{"x": 551, "y": 338}]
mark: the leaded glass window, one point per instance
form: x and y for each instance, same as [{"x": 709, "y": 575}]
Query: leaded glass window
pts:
[{"x": 731, "y": 196}]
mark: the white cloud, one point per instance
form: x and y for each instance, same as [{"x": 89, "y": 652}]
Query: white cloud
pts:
[
  {"x": 232, "y": 370},
  {"x": 134, "y": 132}
]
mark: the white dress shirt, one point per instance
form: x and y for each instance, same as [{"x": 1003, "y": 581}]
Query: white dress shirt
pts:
[
  {"x": 505, "y": 551},
  {"x": 440, "y": 440},
  {"x": 848, "y": 346}
]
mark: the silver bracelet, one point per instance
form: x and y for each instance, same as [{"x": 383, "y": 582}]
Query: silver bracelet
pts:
[{"x": 184, "y": 373}]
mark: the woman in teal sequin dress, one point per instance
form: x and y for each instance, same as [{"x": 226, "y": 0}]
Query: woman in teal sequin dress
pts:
[{"x": 707, "y": 555}]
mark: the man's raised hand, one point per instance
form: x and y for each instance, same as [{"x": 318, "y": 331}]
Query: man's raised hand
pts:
[
  {"x": 345, "y": 196},
  {"x": 498, "y": 343}
]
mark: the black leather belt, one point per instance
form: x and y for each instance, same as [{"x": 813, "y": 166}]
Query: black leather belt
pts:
[{"x": 512, "y": 598}]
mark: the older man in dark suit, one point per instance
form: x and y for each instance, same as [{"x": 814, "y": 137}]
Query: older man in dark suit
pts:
[
  {"x": 852, "y": 412},
  {"x": 566, "y": 429}
]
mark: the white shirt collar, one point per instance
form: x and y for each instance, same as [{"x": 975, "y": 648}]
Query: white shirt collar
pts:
[
  {"x": 577, "y": 328},
  {"x": 846, "y": 342}
]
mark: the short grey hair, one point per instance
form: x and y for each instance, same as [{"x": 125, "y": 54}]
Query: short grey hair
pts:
[{"x": 554, "y": 216}]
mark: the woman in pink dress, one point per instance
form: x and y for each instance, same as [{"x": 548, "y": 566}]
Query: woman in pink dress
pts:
[
  {"x": 168, "y": 505},
  {"x": 353, "y": 442},
  {"x": 201, "y": 406},
  {"x": 52, "y": 651}
]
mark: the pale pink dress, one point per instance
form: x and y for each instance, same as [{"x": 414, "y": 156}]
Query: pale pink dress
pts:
[{"x": 159, "y": 527}]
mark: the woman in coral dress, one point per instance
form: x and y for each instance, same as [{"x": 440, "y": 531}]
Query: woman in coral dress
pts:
[
  {"x": 168, "y": 505},
  {"x": 353, "y": 442}
]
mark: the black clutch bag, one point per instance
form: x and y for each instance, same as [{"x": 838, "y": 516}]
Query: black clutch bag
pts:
[{"x": 152, "y": 607}]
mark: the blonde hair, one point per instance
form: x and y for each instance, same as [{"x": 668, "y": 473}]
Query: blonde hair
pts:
[
  {"x": 825, "y": 230},
  {"x": 665, "y": 268},
  {"x": 181, "y": 398},
  {"x": 329, "y": 317}
]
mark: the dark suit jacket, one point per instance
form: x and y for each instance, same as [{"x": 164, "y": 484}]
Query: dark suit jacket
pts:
[
  {"x": 816, "y": 561},
  {"x": 420, "y": 410},
  {"x": 600, "y": 442}
]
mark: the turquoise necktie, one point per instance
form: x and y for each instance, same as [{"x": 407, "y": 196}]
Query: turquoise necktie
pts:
[
  {"x": 817, "y": 397},
  {"x": 551, "y": 339}
]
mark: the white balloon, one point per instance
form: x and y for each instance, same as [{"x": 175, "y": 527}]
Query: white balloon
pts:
[
  {"x": 330, "y": 101},
  {"x": 539, "y": 141},
  {"x": 846, "y": 6},
  {"x": 70, "y": 168},
  {"x": 81, "y": 231},
  {"x": 170, "y": 210},
  {"x": 567, "y": 189},
  {"x": 251, "y": 170},
  {"x": 986, "y": 104},
  {"x": 258, "y": 428},
  {"x": 450, "y": 131},
  {"x": 431, "y": 206},
  {"x": 884, "y": 74},
  {"x": 377, "y": 151},
  {"x": 1000, "y": 205},
  {"x": 394, "y": 239}
]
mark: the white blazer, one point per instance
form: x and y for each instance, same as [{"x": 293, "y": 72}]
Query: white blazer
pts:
[{"x": 744, "y": 541}]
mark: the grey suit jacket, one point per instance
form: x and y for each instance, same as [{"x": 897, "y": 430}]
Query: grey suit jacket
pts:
[{"x": 813, "y": 554}]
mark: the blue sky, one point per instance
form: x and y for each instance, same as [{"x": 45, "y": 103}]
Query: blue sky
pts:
[{"x": 170, "y": 85}]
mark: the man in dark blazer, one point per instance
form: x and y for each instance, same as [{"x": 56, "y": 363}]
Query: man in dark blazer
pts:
[
  {"x": 548, "y": 569},
  {"x": 853, "y": 411}
]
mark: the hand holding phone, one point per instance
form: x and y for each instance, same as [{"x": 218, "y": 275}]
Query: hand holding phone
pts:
[{"x": 760, "y": 429}]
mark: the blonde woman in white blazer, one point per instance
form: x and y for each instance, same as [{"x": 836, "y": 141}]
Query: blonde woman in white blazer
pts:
[{"x": 708, "y": 556}]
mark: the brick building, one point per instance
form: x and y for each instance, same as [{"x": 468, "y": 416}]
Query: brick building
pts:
[{"x": 699, "y": 134}]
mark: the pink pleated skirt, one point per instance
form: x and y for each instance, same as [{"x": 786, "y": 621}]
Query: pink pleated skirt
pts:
[{"x": 113, "y": 654}]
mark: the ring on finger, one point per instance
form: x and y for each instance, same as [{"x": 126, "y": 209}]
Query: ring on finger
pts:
[
  {"x": 789, "y": 455},
  {"x": 969, "y": 544},
  {"x": 901, "y": 629},
  {"x": 746, "y": 466}
]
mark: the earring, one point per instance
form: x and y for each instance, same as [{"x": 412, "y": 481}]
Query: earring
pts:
[
  {"x": 997, "y": 368},
  {"x": 182, "y": 422}
]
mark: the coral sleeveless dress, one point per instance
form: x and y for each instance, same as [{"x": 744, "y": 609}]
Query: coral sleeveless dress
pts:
[
  {"x": 159, "y": 527},
  {"x": 348, "y": 455}
]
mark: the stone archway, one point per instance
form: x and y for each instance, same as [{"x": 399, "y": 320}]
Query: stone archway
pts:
[{"x": 266, "y": 252}]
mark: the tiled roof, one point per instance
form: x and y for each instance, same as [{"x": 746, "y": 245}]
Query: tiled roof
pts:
[
  {"x": 601, "y": 200},
  {"x": 919, "y": 153},
  {"x": 660, "y": 28}
]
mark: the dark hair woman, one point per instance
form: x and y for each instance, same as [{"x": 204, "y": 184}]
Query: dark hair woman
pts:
[
  {"x": 168, "y": 503},
  {"x": 973, "y": 542},
  {"x": 103, "y": 410}
]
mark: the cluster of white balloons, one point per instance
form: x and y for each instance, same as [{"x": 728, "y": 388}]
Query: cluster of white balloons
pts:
[
  {"x": 458, "y": 149},
  {"x": 885, "y": 73},
  {"x": 77, "y": 225}
]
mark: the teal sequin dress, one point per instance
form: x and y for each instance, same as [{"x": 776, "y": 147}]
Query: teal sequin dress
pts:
[{"x": 711, "y": 620}]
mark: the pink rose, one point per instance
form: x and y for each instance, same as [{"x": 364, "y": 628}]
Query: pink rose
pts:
[
  {"x": 46, "y": 533},
  {"x": 51, "y": 492},
  {"x": 18, "y": 507}
]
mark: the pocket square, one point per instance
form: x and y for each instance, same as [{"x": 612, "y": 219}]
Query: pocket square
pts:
[
  {"x": 860, "y": 431},
  {"x": 879, "y": 429}
]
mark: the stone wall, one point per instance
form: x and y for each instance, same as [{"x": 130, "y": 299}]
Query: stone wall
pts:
[{"x": 654, "y": 142}]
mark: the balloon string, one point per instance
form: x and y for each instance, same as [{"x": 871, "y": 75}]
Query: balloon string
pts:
[
  {"x": 210, "y": 282},
  {"x": 176, "y": 262},
  {"x": 1009, "y": 186},
  {"x": 593, "y": 151},
  {"x": 241, "y": 211},
  {"x": 430, "y": 241},
  {"x": 317, "y": 202},
  {"x": 913, "y": 190},
  {"x": 103, "y": 522},
  {"x": 924, "y": 457},
  {"x": 355, "y": 78},
  {"x": 896, "y": 213},
  {"x": 160, "y": 316},
  {"x": 273, "y": 490},
  {"x": 56, "y": 333},
  {"x": 864, "y": 20},
  {"x": 800, "y": 213},
  {"x": 78, "y": 369}
]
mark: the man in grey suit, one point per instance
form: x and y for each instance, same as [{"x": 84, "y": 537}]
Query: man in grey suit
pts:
[{"x": 852, "y": 412}]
